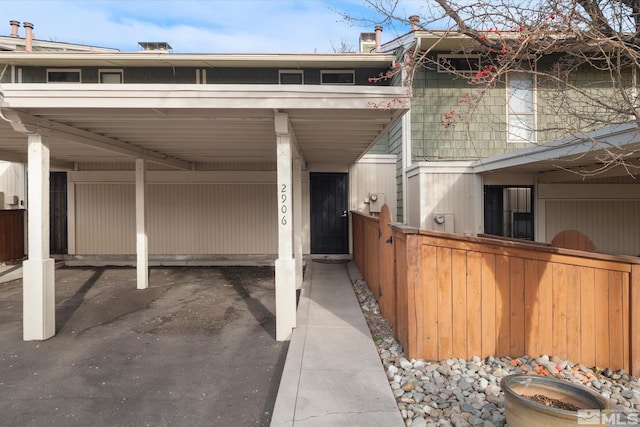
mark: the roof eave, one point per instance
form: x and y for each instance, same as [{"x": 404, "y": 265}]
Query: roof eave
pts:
[{"x": 145, "y": 58}]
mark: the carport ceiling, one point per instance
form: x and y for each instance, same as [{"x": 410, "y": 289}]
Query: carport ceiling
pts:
[{"x": 199, "y": 135}]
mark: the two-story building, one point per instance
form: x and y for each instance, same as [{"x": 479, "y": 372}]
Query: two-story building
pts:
[
  {"x": 187, "y": 159},
  {"x": 511, "y": 168},
  {"x": 152, "y": 157}
]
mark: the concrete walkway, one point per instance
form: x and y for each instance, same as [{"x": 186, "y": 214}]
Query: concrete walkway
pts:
[{"x": 333, "y": 374}]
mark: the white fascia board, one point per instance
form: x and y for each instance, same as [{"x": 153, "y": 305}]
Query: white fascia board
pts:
[
  {"x": 40, "y": 95},
  {"x": 440, "y": 167},
  {"x": 611, "y": 136},
  {"x": 158, "y": 59},
  {"x": 379, "y": 158}
]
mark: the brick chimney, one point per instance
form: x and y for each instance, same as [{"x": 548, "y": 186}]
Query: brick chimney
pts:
[
  {"x": 415, "y": 22},
  {"x": 28, "y": 37},
  {"x": 14, "y": 28},
  {"x": 378, "y": 38}
]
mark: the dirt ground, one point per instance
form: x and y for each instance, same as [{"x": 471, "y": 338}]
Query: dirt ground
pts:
[{"x": 195, "y": 349}]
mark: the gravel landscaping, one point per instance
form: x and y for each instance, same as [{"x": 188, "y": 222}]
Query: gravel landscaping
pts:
[{"x": 458, "y": 392}]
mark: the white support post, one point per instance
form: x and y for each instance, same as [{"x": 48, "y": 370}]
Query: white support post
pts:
[
  {"x": 38, "y": 283},
  {"x": 142, "y": 250},
  {"x": 297, "y": 220},
  {"x": 285, "y": 264},
  {"x": 406, "y": 162}
]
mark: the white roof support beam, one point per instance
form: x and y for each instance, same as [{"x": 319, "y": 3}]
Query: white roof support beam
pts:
[{"x": 26, "y": 123}]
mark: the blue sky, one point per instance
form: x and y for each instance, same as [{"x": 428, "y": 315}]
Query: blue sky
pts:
[{"x": 211, "y": 26}]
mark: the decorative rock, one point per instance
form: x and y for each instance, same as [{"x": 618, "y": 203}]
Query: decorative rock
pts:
[
  {"x": 405, "y": 364},
  {"x": 391, "y": 371},
  {"x": 457, "y": 392},
  {"x": 409, "y": 386},
  {"x": 492, "y": 389},
  {"x": 419, "y": 365},
  {"x": 495, "y": 399},
  {"x": 465, "y": 384}
]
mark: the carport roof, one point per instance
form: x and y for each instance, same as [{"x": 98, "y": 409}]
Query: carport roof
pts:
[
  {"x": 179, "y": 125},
  {"x": 166, "y": 59}
]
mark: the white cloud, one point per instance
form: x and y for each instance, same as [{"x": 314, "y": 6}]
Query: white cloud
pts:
[{"x": 275, "y": 26}]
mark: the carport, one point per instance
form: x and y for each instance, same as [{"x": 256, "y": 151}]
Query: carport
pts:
[{"x": 179, "y": 126}]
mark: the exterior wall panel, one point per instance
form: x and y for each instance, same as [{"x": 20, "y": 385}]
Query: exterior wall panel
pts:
[
  {"x": 413, "y": 208},
  {"x": 212, "y": 219},
  {"x": 373, "y": 177},
  {"x": 445, "y": 189},
  {"x": 105, "y": 219},
  {"x": 12, "y": 183},
  {"x": 612, "y": 225},
  {"x": 450, "y": 193},
  {"x": 217, "y": 75},
  {"x": 183, "y": 218}
]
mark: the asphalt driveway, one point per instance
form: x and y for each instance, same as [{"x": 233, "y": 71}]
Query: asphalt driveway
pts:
[{"x": 195, "y": 349}]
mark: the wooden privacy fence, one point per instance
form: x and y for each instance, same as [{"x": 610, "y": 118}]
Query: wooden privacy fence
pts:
[{"x": 449, "y": 295}]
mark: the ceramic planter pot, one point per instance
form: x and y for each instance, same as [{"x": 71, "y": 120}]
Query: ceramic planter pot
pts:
[{"x": 523, "y": 412}]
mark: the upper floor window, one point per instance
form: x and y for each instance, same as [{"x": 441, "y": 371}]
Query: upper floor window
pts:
[
  {"x": 291, "y": 77},
  {"x": 63, "y": 76},
  {"x": 333, "y": 77},
  {"x": 458, "y": 63},
  {"x": 110, "y": 76},
  {"x": 521, "y": 108}
]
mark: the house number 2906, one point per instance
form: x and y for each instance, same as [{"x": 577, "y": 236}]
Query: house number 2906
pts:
[{"x": 283, "y": 204}]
